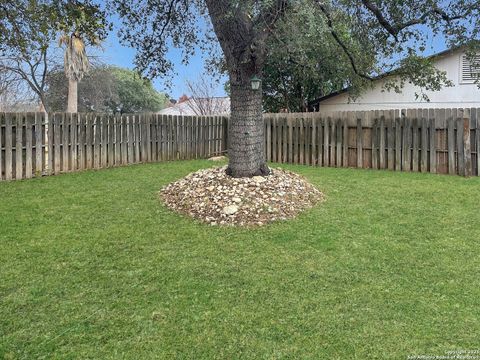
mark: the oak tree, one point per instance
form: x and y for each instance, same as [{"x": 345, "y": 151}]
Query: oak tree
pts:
[{"x": 243, "y": 29}]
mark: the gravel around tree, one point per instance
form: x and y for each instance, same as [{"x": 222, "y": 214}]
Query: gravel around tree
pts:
[{"x": 213, "y": 197}]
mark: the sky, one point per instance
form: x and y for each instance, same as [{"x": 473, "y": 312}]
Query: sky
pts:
[{"x": 117, "y": 54}]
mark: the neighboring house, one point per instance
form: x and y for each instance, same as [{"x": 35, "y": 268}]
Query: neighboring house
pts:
[
  {"x": 22, "y": 107},
  {"x": 199, "y": 106},
  {"x": 465, "y": 93}
]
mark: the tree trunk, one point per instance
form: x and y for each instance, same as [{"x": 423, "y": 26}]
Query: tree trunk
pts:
[
  {"x": 246, "y": 134},
  {"x": 72, "y": 103}
]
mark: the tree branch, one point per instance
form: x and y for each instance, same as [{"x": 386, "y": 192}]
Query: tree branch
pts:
[
  {"x": 339, "y": 41},
  {"x": 395, "y": 29}
]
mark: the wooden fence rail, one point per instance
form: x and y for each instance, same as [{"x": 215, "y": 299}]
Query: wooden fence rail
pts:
[
  {"x": 445, "y": 141},
  {"x": 31, "y": 145}
]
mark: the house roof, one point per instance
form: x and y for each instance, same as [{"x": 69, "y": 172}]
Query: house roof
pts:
[
  {"x": 199, "y": 106},
  {"x": 382, "y": 76}
]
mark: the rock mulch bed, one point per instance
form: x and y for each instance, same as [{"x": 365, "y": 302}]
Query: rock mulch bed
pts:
[{"x": 213, "y": 197}]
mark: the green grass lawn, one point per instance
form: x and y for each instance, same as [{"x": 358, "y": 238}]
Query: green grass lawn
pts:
[{"x": 92, "y": 265}]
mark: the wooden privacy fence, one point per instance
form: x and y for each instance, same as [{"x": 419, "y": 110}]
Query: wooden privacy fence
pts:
[
  {"x": 445, "y": 141},
  {"x": 32, "y": 146}
]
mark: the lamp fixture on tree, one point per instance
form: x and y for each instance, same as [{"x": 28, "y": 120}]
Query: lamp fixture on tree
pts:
[{"x": 255, "y": 81}]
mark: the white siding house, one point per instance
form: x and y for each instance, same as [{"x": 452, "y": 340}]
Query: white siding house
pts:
[{"x": 464, "y": 93}]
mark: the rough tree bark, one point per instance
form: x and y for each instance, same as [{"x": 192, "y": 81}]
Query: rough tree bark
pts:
[
  {"x": 243, "y": 42},
  {"x": 247, "y": 140},
  {"x": 72, "y": 102}
]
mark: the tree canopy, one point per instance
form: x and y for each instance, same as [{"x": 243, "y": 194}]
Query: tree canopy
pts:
[
  {"x": 29, "y": 28},
  {"x": 106, "y": 89},
  {"x": 305, "y": 62},
  {"x": 30, "y": 25},
  {"x": 393, "y": 33}
]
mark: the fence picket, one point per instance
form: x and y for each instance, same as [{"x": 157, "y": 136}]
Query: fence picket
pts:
[
  {"x": 130, "y": 154},
  {"x": 339, "y": 140},
  {"x": 124, "y": 139},
  {"x": 398, "y": 142},
  {"x": 460, "y": 154},
  {"x": 168, "y": 130},
  {"x": 477, "y": 142},
  {"x": 432, "y": 141},
  {"x": 415, "y": 144},
  {"x": 104, "y": 140},
  {"x": 382, "y": 143},
  {"x": 95, "y": 142},
  {"x": 313, "y": 153},
  {"x": 29, "y": 120},
  {"x": 89, "y": 141},
  {"x": 279, "y": 139},
  {"x": 391, "y": 132},
  {"x": 359, "y": 143},
  {"x": 424, "y": 142},
  {"x": 57, "y": 147},
  {"x": 290, "y": 139},
  {"x": 274, "y": 138},
  {"x": 186, "y": 136},
  {"x": 65, "y": 142},
  {"x": 2, "y": 122},
  {"x": 375, "y": 141},
  {"x": 74, "y": 141},
  {"x": 326, "y": 142},
  {"x": 333, "y": 142},
  {"x": 308, "y": 139},
  {"x": 284, "y": 139},
  {"x": 406, "y": 144},
  {"x": 154, "y": 137},
  {"x": 8, "y": 146},
  {"x": 345, "y": 161},
  {"x": 82, "y": 141},
  {"x": 19, "y": 146},
  {"x": 39, "y": 118},
  {"x": 451, "y": 145},
  {"x": 162, "y": 138},
  {"x": 467, "y": 151},
  {"x": 477, "y": 139}
]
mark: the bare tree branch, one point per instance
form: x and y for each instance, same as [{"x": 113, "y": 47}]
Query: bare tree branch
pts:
[{"x": 202, "y": 101}]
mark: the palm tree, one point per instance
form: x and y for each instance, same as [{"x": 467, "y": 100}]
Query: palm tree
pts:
[{"x": 76, "y": 66}]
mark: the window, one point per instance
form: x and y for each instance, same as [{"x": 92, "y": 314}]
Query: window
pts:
[{"x": 469, "y": 69}]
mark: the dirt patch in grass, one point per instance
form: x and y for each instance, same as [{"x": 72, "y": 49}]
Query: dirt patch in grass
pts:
[{"x": 213, "y": 197}]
